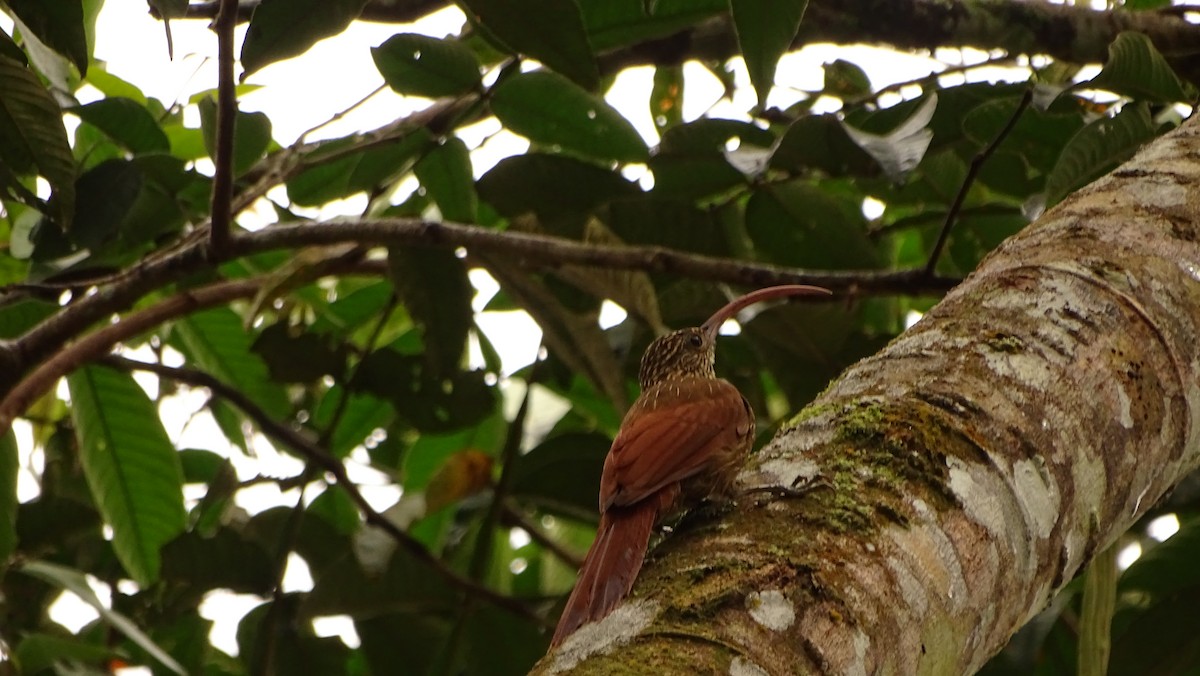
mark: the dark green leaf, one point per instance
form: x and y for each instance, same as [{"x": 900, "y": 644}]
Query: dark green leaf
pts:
[
  {"x": 550, "y": 109},
  {"x": 765, "y": 29},
  {"x": 23, "y": 315},
  {"x": 361, "y": 417},
  {"x": 1038, "y": 137},
  {"x": 59, "y": 24},
  {"x": 33, "y": 138},
  {"x": 846, "y": 80},
  {"x": 337, "y": 509},
  {"x": 130, "y": 464},
  {"x": 429, "y": 401},
  {"x": 666, "y": 97},
  {"x": 820, "y": 142},
  {"x": 445, "y": 319},
  {"x": 38, "y": 652},
  {"x": 217, "y": 343},
  {"x": 281, "y": 29},
  {"x": 445, "y": 171},
  {"x": 9, "y": 465},
  {"x": 550, "y": 185},
  {"x": 1142, "y": 5},
  {"x": 419, "y": 65},
  {"x": 563, "y": 473},
  {"x": 799, "y": 224},
  {"x": 357, "y": 171},
  {"x": 293, "y": 355},
  {"x": 104, "y": 197},
  {"x": 615, "y": 23},
  {"x": 224, "y": 561},
  {"x": 1136, "y": 69},
  {"x": 200, "y": 466},
  {"x": 127, "y": 122},
  {"x": 556, "y": 36},
  {"x": 1097, "y": 148},
  {"x": 499, "y": 644},
  {"x": 1168, "y": 568},
  {"x": 251, "y": 135},
  {"x": 692, "y": 161},
  {"x": 403, "y": 642}
]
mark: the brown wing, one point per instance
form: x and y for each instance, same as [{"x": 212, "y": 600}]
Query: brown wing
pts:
[{"x": 672, "y": 432}]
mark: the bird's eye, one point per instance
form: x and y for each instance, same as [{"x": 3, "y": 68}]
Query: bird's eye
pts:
[{"x": 695, "y": 340}]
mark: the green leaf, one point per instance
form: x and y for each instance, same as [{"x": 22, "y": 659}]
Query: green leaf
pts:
[
  {"x": 1137, "y": 70},
  {"x": 361, "y": 417},
  {"x": 75, "y": 581},
  {"x": 59, "y": 24},
  {"x": 798, "y": 224},
  {"x": 9, "y": 465},
  {"x": 1169, "y": 568},
  {"x": 429, "y": 401},
  {"x": 550, "y": 185},
  {"x": 224, "y": 561},
  {"x": 130, "y": 465},
  {"x": 216, "y": 342},
  {"x": 22, "y": 315},
  {"x": 40, "y": 652},
  {"x": 293, "y": 355},
  {"x": 105, "y": 196},
  {"x": 692, "y": 160},
  {"x": 281, "y": 29},
  {"x": 846, "y": 81},
  {"x": 355, "y": 172},
  {"x": 127, "y": 122},
  {"x": 821, "y": 142},
  {"x": 251, "y": 135},
  {"x": 1143, "y": 5},
  {"x": 33, "y": 138},
  {"x": 445, "y": 319},
  {"x": 563, "y": 473},
  {"x": 765, "y": 30},
  {"x": 419, "y": 65},
  {"x": 550, "y": 31},
  {"x": 549, "y": 109},
  {"x": 666, "y": 97},
  {"x": 445, "y": 172},
  {"x": 616, "y": 23},
  {"x": 1097, "y": 149}
]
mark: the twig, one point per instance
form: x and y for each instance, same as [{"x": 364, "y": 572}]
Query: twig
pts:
[
  {"x": 222, "y": 191},
  {"x": 300, "y": 140},
  {"x": 272, "y": 624},
  {"x": 307, "y": 448},
  {"x": 487, "y": 530},
  {"x": 515, "y": 517},
  {"x": 969, "y": 180}
]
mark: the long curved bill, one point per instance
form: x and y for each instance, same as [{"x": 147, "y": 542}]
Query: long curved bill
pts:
[{"x": 741, "y": 302}]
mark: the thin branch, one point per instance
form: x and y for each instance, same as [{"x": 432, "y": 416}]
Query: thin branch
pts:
[
  {"x": 48, "y": 336},
  {"x": 340, "y": 114},
  {"x": 222, "y": 191},
  {"x": 483, "y": 551},
  {"x": 98, "y": 343},
  {"x": 307, "y": 448},
  {"x": 515, "y": 517},
  {"x": 548, "y": 251},
  {"x": 972, "y": 172}
]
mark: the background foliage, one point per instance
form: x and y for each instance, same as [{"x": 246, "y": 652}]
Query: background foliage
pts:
[{"x": 355, "y": 347}]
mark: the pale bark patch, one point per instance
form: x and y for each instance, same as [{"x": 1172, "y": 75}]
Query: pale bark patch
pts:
[
  {"x": 1037, "y": 494},
  {"x": 627, "y": 621},
  {"x": 740, "y": 666},
  {"x": 771, "y": 609}
]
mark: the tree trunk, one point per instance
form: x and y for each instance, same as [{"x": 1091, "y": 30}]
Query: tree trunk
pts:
[{"x": 960, "y": 478}]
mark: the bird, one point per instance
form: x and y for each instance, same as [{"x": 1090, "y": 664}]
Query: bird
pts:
[{"x": 682, "y": 442}]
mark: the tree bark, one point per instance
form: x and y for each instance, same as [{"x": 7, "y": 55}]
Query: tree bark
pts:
[{"x": 960, "y": 478}]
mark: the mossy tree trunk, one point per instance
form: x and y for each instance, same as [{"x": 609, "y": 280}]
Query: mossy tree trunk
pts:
[{"x": 960, "y": 478}]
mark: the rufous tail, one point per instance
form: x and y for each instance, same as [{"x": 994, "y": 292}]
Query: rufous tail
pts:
[{"x": 610, "y": 567}]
